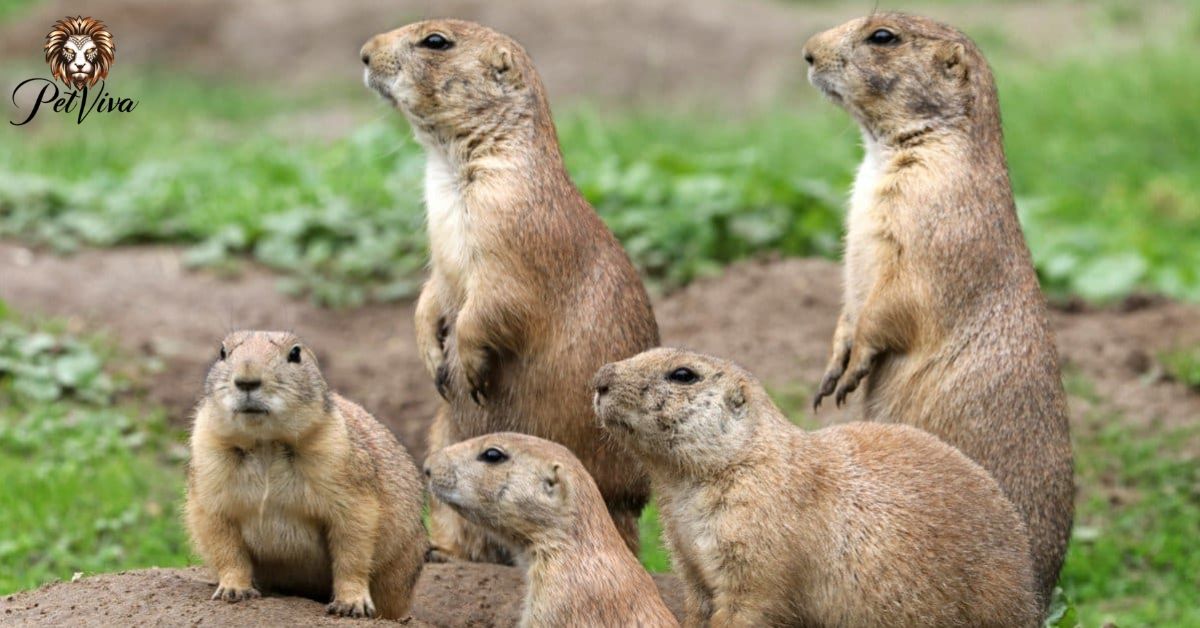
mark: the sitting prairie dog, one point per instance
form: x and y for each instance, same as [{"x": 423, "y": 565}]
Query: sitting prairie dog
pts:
[
  {"x": 862, "y": 524},
  {"x": 942, "y": 312},
  {"x": 539, "y": 499},
  {"x": 528, "y": 291},
  {"x": 294, "y": 489}
]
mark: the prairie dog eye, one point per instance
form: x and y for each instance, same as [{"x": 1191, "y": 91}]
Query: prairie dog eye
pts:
[
  {"x": 436, "y": 41},
  {"x": 294, "y": 355},
  {"x": 492, "y": 455},
  {"x": 882, "y": 37},
  {"x": 683, "y": 375},
  {"x": 222, "y": 355}
]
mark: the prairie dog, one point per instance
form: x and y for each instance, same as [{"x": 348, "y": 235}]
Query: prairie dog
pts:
[
  {"x": 294, "y": 489},
  {"x": 528, "y": 292},
  {"x": 942, "y": 313},
  {"x": 862, "y": 524},
  {"x": 537, "y": 496}
]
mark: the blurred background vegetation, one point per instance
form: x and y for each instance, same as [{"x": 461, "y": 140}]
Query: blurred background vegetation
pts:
[{"x": 323, "y": 185}]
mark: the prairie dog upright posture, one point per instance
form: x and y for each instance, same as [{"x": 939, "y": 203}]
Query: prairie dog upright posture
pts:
[
  {"x": 943, "y": 314},
  {"x": 538, "y": 497},
  {"x": 294, "y": 489},
  {"x": 862, "y": 524},
  {"x": 528, "y": 293}
]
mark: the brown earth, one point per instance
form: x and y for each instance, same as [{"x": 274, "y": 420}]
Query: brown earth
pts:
[
  {"x": 456, "y": 594},
  {"x": 774, "y": 317}
]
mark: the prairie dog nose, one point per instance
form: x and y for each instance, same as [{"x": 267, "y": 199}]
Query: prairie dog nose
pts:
[
  {"x": 369, "y": 49},
  {"x": 247, "y": 384},
  {"x": 602, "y": 382}
]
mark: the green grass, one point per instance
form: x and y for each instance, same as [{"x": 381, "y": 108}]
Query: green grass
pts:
[
  {"x": 1183, "y": 365},
  {"x": 1132, "y": 559},
  {"x": 1105, "y": 182},
  {"x": 10, "y": 8},
  {"x": 654, "y": 555},
  {"x": 90, "y": 485},
  {"x": 344, "y": 218}
]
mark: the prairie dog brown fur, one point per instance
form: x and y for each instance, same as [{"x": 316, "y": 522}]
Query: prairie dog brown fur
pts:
[
  {"x": 537, "y": 496},
  {"x": 292, "y": 488},
  {"x": 862, "y": 524},
  {"x": 942, "y": 314},
  {"x": 528, "y": 292}
]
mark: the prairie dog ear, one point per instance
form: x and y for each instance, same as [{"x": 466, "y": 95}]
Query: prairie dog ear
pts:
[
  {"x": 951, "y": 59},
  {"x": 500, "y": 62},
  {"x": 736, "y": 397},
  {"x": 552, "y": 481}
]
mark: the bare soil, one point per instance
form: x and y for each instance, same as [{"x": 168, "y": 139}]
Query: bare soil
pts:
[
  {"x": 455, "y": 594},
  {"x": 774, "y": 317}
]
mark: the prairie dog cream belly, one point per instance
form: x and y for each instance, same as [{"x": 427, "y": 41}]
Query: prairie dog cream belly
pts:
[
  {"x": 287, "y": 544},
  {"x": 862, "y": 228},
  {"x": 450, "y": 243}
]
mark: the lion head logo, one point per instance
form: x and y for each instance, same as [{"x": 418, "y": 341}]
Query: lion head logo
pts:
[{"x": 79, "y": 51}]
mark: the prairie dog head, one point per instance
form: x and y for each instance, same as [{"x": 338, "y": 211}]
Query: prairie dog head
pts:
[
  {"x": 678, "y": 409},
  {"x": 452, "y": 77},
  {"x": 898, "y": 73},
  {"x": 523, "y": 488},
  {"x": 265, "y": 382}
]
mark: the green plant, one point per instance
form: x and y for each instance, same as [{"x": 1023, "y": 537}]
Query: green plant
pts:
[
  {"x": 89, "y": 486},
  {"x": 1062, "y": 613},
  {"x": 1183, "y": 365},
  {"x": 654, "y": 554},
  {"x": 42, "y": 366},
  {"x": 1132, "y": 560}
]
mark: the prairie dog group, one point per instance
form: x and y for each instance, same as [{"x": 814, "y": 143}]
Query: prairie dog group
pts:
[
  {"x": 528, "y": 292},
  {"x": 863, "y": 524},
  {"x": 943, "y": 316},
  {"x": 951, "y": 505},
  {"x": 294, "y": 489}
]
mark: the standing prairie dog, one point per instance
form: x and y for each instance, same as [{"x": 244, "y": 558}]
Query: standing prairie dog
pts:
[
  {"x": 539, "y": 499},
  {"x": 942, "y": 306},
  {"x": 862, "y": 524},
  {"x": 528, "y": 292},
  {"x": 292, "y": 488}
]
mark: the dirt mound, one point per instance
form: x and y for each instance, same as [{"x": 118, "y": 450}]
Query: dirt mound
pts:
[
  {"x": 776, "y": 318},
  {"x": 457, "y": 594}
]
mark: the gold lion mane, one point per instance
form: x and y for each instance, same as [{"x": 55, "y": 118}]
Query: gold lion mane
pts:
[{"x": 69, "y": 27}]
